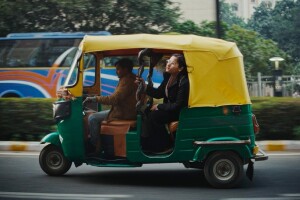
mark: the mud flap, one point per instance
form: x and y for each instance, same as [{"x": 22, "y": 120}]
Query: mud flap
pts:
[{"x": 250, "y": 170}]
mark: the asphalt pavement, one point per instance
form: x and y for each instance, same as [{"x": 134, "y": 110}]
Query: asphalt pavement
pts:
[{"x": 22, "y": 178}]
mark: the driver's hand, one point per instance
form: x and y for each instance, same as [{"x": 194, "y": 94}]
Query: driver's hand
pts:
[{"x": 89, "y": 99}]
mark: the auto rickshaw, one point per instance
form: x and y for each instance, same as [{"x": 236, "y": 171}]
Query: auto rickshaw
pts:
[{"x": 215, "y": 133}]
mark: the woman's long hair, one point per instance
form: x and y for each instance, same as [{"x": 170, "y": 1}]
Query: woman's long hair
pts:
[{"x": 181, "y": 63}]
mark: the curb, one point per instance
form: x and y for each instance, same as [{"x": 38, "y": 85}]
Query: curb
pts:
[
  {"x": 278, "y": 145},
  {"x": 20, "y": 146}
]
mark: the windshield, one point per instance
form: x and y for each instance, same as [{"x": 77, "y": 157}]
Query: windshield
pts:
[{"x": 73, "y": 73}]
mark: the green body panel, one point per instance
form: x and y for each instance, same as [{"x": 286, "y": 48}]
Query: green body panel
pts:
[
  {"x": 72, "y": 134},
  {"x": 244, "y": 151},
  {"x": 52, "y": 138},
  {"x": 200, "y": 124},
  {"x": 195, "y": 124}
]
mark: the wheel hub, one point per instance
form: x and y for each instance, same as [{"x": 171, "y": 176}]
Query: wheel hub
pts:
[
  {"x": 54, "y": 160},
  {"x": 224, "y": 169}
]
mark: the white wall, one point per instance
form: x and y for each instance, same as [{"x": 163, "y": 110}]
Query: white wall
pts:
[
  {"x": 197, "y": 10},
  {"x": 200, "y": 10}
]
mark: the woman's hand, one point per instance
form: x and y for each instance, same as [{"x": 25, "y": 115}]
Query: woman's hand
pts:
[
  {"x": 154, "y": 107},
  {"x": 138, "y": 80}
]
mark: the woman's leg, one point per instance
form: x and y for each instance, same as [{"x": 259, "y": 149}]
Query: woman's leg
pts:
[{"x": 159, "y": 139}]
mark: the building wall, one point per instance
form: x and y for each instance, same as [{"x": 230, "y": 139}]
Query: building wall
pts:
[
  {"x": 197, "y": 10},
  {"x": 200, "y": 10}
]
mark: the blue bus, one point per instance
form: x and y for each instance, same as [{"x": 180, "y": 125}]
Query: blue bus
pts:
[{"x": 36, "y": 64}]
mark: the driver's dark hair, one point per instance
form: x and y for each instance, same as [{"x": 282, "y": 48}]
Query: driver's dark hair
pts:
[{"x": 125, "y": 63}]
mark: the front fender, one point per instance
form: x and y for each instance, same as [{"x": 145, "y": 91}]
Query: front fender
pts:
[{"x": 52, "y": 138}]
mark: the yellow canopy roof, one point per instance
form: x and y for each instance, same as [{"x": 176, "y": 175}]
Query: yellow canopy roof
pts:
[{"x": 216, "y": 70}]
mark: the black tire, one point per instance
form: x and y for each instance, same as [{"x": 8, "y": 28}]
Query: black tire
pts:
[
  {"x": 223, "y": 169},
  {"x": 53, "y": 162}
]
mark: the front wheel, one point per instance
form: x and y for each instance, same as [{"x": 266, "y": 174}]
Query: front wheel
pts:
[
  {"x": 53, "y": 162},
  {"x": 223, "y": 169}
]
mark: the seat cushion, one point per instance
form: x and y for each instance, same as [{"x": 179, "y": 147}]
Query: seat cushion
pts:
[
  {"x": 113, "y": 139},
  {"x": 131, "y": 123},
  {"x": 173, "y": 126},
  {"x": 113, "y": 136}
]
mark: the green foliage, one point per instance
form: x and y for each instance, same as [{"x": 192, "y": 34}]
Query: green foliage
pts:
[
  {"x": 278, "y": 117},
  {"x": 31, "y": 119},
  {"x": 282, "y": 25},
  {"x": 261, "y": 20},
  {"x": 189, "y": 27},
  {"x": 25, "y": 119},
  {"x": 205, "y": 28},
  {"x": 116, "y": 16},
  {"x": 150, "y": 16},
  {"x": 296, "y": 130},
  {"x": 228, "y": 16},
  {"x": 285, "y": 28},
  {"x": 31, "y": 16},
  {"x": 256, "y": 51}
]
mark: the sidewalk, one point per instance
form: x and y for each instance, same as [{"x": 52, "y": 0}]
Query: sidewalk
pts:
[{"x": 278, "y": 145}]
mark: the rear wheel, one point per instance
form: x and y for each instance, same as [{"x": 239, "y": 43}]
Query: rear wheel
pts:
[
  {"x": 53, "y": 162},
  {"x": 223, "y": 169}
]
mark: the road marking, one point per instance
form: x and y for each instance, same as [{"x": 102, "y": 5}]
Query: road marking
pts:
[
  {"x": 284, "y": 154},
  {"x": 27, "y": 195},
  {"x": 264, "y": 198},
  {"x": 21, "y": 154},
  {"x": 281, "y": 197},
  {"x": 291, "y": 195}
]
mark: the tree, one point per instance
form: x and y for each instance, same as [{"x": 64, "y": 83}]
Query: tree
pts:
[
  {"x": 256, "y": 51},
  {"x": 189, "y": 27},
  {"x": 228, "y": 16},
  {"x": 150, "y": 16},
  {"x": 34, "y": 16},
  {"x": 261, "y": 20},
  {"x": 285, "y": 27},
  {"x": 116, "y": 16},
  {"x": 282, "y": 25}
]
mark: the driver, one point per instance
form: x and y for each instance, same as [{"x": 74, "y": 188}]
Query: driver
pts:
[{"x": 123, "y": 102}]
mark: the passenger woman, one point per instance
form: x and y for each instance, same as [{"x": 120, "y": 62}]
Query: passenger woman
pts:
[{"x": 174, "y": 90}]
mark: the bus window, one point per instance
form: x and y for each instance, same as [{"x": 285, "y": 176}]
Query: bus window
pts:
[
  {"x": 33, "y": 53},
  {"x": 89, "y": 70},
  {"x": 73, "y": 74},
  {"x": 66, "y": 58}
]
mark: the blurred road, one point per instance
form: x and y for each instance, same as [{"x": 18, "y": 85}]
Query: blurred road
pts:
[{"x": 21, "y": 178}]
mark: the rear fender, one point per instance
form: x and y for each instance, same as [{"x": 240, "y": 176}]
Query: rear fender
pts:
[
  {"x": 243, "y": 150},
  {"x": 52, "y": 138}
]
